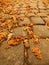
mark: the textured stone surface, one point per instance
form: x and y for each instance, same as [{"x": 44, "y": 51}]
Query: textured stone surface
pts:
[
  {"x": 19, "y": 31},
  {"x": 41, "y": 5},
  {"x": 43, "y": 46},
  {"x": 41, "y": 31},
  {"x": 11, "y": 56},
  {"x": 46, "y": 19},
  {"x": 25, "y": 12},
  {"x": 37, "y": 20},
  {"x": 25, "y": 21},
  {"x": 31, "y": 14},
  {"x": 42, "y": 14},
  {"x": 43, "y": 11}
]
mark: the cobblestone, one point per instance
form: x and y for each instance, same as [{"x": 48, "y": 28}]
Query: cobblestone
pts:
[
  {"x": 43, "y": 46},
  {"x": 37, "y": 20},
  {"x": 41, "y": 31},
  {"x": 12, "y": 56}
]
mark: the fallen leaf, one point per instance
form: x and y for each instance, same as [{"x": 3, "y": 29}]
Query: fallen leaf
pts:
[
  {"x": 2, "y": 36},
  {"x": 26, "y": 43},
  {"x": 26, "y": 28},
  {"x": 37, "y": 52},
  {"x": 36, "y": 40}
]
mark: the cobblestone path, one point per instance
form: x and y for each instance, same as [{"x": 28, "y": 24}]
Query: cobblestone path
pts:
[{"x": 28, "y": 20}]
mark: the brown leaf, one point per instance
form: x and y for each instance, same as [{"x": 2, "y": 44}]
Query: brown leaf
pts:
[{"x": 36, "y": 40}]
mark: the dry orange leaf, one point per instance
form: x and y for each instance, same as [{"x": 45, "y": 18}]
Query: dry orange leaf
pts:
[
  {"x": 2, "y": 36},
  {"x": 30, "y": 32},
  {"x": 26, "y": 43},
  {"x": 39, "y": 57},
  {"x": 13, "y": 12},
  {"x": 26, "y": 28},
  {"x": 37, "y": 52},
  {"x": 7, "y": 46},
  {"x": 36, "y": 40},
  {"x": 35, "y": 36},
  {"x": 7, "y": 25},
  {"x": 34, "y": 49},
  {"x": 13, "y": 41},
  {"x": 26, "y": 40},
  {"x": 31, "y": 24}
]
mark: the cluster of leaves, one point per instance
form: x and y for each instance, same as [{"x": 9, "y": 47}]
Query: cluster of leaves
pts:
[{"x": 37, "y": 52}]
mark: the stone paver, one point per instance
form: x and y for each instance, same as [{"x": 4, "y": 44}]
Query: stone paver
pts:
[
  {"x": 46, "y": 19},
  {"x": 41, "y": 5},
  {"x": 37, "y": 20},
  {"x": 42, "y": 14},
  {"x": 41, "y": 31},
  {"x": 43, "y": 11},
  {"x": 31, "y": 14},
  {"x": 12, "y": 56},
  {"x": 25, "y": 21},
  {"x": 19, "y": 31},
  {"x": 43, "y": 45}
]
